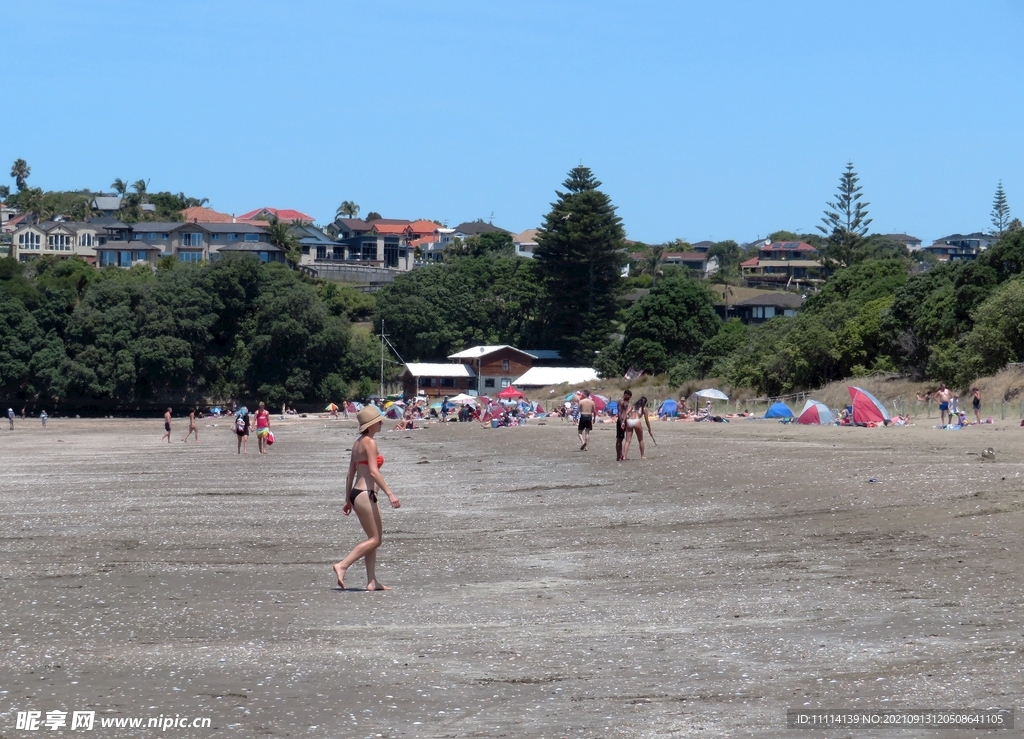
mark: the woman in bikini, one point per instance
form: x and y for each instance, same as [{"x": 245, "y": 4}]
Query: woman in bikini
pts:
[
  {"x": 363, "y": 478},
  {"x": 635, "y": 420},
  {"x": 262, "y": 428}
]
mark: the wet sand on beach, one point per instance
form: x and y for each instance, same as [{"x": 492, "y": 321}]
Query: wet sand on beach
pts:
[{"x": 539, "y": 591}]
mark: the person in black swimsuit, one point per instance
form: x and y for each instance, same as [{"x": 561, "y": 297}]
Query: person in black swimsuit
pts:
[
  {"x": 588, "y": 409},
  {"x": 620, "y": 423},
  {"x": 363, "y": 478},
  {"x": 976, "y": 403}
]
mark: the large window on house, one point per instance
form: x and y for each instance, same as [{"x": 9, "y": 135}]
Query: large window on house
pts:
[
  {"x": 124, "y": 259},
  {"x": 252, "y": 237},
  {"x": 321, "y": 252},
  {"x": 191, "y": 239},
  {"x": 190, "y": 256},
  {"x": 426, "y": 382},
  {"x": 107, "y": 258},
  {"x": 447, "y": 382},
  {"x": 505, "y": 365},
  {"x": 86, "y": 239},
  {"x": 505, "y": 381},
  {"x": 489, "y": 383}
]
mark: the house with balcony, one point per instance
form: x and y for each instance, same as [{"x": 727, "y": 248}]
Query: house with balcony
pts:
[
  {"x": 383, "y": 244},
  {"x": 784, "y": 263},
  {"x": 697, "y": 262},
  {"x": 960, "y": 247},
  {"x": 60, "y": 239}
]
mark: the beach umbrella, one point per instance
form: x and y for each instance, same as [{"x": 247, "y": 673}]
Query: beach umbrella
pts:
[
  {"x": 712, "y": 394},
  {"x": 600, "y": 402},
  {"x": 866, "y": 407},
  {"x": 815, "y": 413},
  {"x": 463, "y": 398},
  {"x": 332, "y": 407},
  {"x": 511, "y": 392}
]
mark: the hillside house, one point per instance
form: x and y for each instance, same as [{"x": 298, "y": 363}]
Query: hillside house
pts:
[{"x": 780, "y": 263}]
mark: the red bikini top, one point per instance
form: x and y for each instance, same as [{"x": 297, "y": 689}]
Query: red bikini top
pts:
[{"x": 380, "y": 461}]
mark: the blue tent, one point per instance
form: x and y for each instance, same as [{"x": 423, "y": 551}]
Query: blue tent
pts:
[
  {"x": 613, "y": 407},
  {"x": 669, "y": 408},
  {"x": 778, "y": 410}
]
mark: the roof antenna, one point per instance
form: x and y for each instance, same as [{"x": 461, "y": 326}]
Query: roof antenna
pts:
[{"x": 492, "y": 218}]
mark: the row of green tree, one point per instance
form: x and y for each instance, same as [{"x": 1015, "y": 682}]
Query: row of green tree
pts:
[
  {"x": 75, "y": 336},
  {"x": 882, "y": 308}
]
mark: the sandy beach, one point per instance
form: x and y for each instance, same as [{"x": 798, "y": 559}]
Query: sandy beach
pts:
[{"x": 539, "y": 591}]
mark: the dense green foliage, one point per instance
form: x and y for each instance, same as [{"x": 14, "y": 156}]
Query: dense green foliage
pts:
[
  {"x": 234, "y": 329},
  {"x": 440, "y": 309}
]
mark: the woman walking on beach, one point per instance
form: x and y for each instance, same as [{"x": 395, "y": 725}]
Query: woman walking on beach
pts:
[
  {"x": 192, "y": 428},
  {"x": 635, "y": 421},
  {"x": 976, "y": 403},
  {"x": 262, "y": 427},
  {"x": 242, "y": 431},
  {"x": 361, "y": 482}
]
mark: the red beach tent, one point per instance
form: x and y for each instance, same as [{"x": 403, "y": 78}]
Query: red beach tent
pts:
[
  {"x": 866, "y": 408},
  {"x": 510, "y": 393}
]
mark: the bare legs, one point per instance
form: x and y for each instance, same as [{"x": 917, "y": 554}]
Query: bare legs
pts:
[
  {"x": 261, "y": 440},
  {"x": 626, "y": 443},
  {"x": 192, "y": 430},
  {"x": 369, "y": 519},
  {"x": 584, "y": 440},
  {"x": 243, "y": 443}
]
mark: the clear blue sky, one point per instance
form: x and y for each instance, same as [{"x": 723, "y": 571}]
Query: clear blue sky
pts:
[{"x": 702, "y": 119}]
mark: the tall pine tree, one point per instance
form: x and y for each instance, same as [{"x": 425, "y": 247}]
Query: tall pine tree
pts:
[
  {"x": 580, "y": 255},
  {"x": 846, "y": 222},
  {"x": 1000, "y": 211}
]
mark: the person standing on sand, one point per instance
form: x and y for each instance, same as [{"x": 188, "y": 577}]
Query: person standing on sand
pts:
[
  {"x": 976, "y": 403},
  {"x": 635, "y": 424},
  {"x": 167, "y": 426},
  {"x": 43, "y": 417},
  {"x": 192, "y": 428},
  {"x": 10, "y": 417},
  {"x": 587, "y": 411},
  {"x": 262, "y": 427},
  {"x": 242, "y": 432},
  {"x": 361, "y": 482},
  {"x": 620, "y": 423},
  {"x": 943, "y": 395}
]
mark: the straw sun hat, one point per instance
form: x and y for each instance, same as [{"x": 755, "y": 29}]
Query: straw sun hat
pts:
[{"x": 368, "y": 416}]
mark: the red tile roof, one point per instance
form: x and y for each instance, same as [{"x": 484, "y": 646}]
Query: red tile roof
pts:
[
  {"x": 284, "y": 214},
  {"x": 198, "y": 214},
  {"x": 749, "y": 263},
  {"x": 423, "y": 226},
  {"x": 389, "y": 228}
]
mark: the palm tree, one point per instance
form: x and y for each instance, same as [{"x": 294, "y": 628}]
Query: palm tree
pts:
[
  {"x": 347, "y": 209},
  {"x": 140, "y": 187},
  {"x": 279, "y": 234},
  {"x": 119, "y": 186},
  {"x": 651, "y": 264},
  {"x": 20, "y": 172}
]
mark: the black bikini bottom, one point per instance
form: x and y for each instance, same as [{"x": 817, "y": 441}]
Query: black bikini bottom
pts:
[{"x": 354, "y": 493}]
